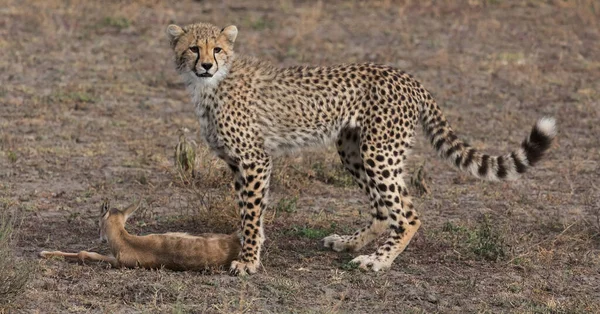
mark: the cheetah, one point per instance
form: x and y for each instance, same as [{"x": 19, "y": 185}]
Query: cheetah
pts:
[{"x": 250, "y": 112}]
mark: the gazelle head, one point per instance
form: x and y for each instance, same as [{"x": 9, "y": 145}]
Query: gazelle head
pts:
[{"x": 113, "y": 217}]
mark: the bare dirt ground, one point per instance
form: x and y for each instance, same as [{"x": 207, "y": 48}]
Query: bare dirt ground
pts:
[{"x": 90, "y": 105}]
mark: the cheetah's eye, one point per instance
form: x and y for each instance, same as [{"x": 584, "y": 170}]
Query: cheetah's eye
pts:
[
  {"x": 217, "y": 49},
  {"x": 194, "y": 49}
]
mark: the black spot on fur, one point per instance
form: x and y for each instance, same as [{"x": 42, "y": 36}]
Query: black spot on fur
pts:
[
  {"x": 380, "y": 216},
  {"x": 370, "y": 162},
  {"x": 382, "y": 187},
  {"x": 398, "y": 229}
]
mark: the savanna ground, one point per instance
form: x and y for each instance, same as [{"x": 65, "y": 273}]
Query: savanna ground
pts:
[{"x": 91, "y": 105}]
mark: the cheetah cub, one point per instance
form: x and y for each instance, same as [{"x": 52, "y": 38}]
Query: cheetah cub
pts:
[{"x": 250, "y": 111}]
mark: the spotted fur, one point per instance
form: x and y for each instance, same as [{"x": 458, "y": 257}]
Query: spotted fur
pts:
[{"x": 250, "y": 111}]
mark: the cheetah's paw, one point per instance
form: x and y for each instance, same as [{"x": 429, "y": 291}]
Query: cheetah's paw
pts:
[
  {"x": 371, "y": 262},
  {"x": 239, "y": 268},
  {"x": 338, "y": 243}
]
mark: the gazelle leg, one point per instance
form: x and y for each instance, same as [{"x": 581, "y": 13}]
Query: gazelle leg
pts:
[{"x": 82, "y": 256}]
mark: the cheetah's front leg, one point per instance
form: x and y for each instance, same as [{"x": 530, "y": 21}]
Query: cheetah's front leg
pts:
[{"x": 252, "y": 185}]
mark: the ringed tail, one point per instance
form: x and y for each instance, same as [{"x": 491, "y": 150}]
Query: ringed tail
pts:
[{"x": 466, "y": 158}]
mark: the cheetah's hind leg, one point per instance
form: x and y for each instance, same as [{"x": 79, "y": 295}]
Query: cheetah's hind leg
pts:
[
  {"x": 348, "y": 146},
  {"x": 389, "y": 194}
]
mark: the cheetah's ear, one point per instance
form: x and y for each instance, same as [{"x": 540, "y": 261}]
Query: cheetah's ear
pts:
[
  {"x": 230, "y": 32},
  {"x": 174, "y": 32}
]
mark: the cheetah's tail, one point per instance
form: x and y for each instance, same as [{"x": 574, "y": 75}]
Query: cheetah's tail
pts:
[{"x": 468, "y": 159}]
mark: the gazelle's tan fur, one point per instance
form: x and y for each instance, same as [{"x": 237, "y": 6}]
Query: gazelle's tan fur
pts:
[{"x": 175, "y": 250}]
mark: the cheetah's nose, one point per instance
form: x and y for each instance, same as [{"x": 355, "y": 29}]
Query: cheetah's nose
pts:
[{"x": 206, "y": 66}]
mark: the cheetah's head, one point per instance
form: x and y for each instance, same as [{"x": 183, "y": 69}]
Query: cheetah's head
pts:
[{"x": 202, "y": 51}]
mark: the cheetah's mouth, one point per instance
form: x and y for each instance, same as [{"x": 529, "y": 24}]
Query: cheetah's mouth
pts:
[{"x": 205, "y": 74}]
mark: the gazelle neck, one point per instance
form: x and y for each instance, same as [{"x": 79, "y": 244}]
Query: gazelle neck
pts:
[{"x": 116, "y": 234}]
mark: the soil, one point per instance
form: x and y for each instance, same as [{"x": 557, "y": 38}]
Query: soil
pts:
[{"x": 91, "y": 106}]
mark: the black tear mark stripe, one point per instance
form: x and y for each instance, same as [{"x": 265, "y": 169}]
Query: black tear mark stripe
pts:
[
  {"x": 197, "y": 59},
  {"x": 214, "y": 55},
  {"x": 216, "y": 62}
]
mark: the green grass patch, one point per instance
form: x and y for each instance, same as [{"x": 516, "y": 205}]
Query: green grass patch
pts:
[
  {"x": 311, "y": 232},
  {"x": 487, "y": 242},
  {"x": 72, "y": 97},
  {"x": 12, "y": 156},
  {"x": 349, "y": 266},
  {"x": 116, "y": 22},
  {"x": 287, "y": 204},
  {"x": 336, "y": 175},
  {"x": 484, "y": 241}
]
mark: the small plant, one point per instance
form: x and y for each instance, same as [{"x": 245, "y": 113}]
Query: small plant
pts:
[
  {"x": 349, "y": 266},
  {"x": 12, "y": 156},
  {"x": 142, "y": 179},
  {"x": 487, "y": 242},
  {"x": 287, "y": 205},
  {"x": 88, "y": 193},
  {"x": 72, "y": 97},
  {"x": 336, "y": 176},
  {"x": 116, "y": 22},
  {"x": 309, "y": 232},
  {"x": 484, "y": 241},
  {"x": 185, "y": 154},
  {"x": 452, "y": 228},
  {"x": 73, "y": 216},
  {"x": 418, "y": 181}
]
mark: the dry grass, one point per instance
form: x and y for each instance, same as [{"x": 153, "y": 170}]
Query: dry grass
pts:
[
  {"x": 91, "y": 107},
  {"x": 14, "y": 272}
]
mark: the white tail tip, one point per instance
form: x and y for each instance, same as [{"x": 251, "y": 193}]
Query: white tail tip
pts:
[{"x": 547, "y": 125}]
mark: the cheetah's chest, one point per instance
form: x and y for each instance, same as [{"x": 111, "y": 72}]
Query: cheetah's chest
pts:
[{"x": 205, "y": 108}]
